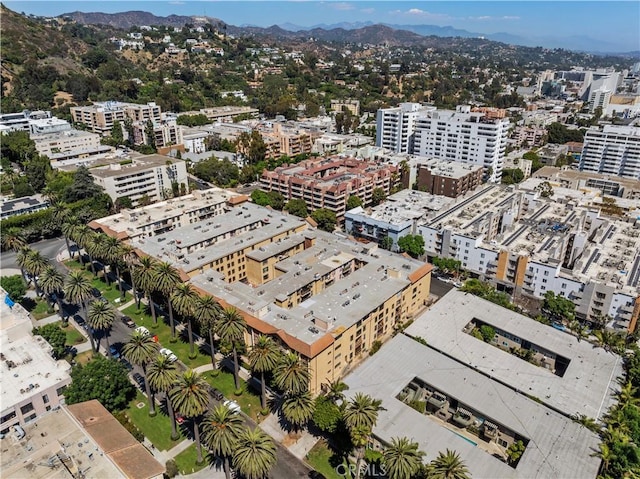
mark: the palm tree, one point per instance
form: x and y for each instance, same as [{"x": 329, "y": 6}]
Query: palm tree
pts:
[
  {"x": 190, "y": 397},
  {"x": 22, "y": 258},
  {"x": 292, "y": 374},
  {"x": 628, "y": 395},
  {"x": 231, "y": 328},
  {"x": 263, "y": 358},
  {"x": 82, "y": 236},
  {"x": 587, "y": 422},
  {"x": 95, "y": 247},
  {"x": 167, "y": 278},
  {"x": 402, "y": 458},
  {"x": 68, "y": 228},
  {"x": 112, "y": 251},
  {"x": 606, "y": 455},
  {"x": 78, "y": 289},
  {"x": 162, "y": 374},
  {"x": 52, "y": 283},
  {"x": 13, "y": 239},
  {"x": 35, "y": 265},
  {"x": 146, "y": 279},
  {"x": 448, "y": 466},
  {"x": 335, "y": 391},
  {"x": 101, "y": 317},
  {"x": 360, "y": 416},
  {"x": 255, "y": 454},
  {"x": 206, "y": 313},
  {"x": 184, "y": 299},
  {"x": 298, "y": 408},
  {"x": 221, "y": 428},
  {"x": 140, "y": 350}
]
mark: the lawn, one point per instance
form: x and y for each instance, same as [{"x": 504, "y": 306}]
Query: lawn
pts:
[
  {"x": 186, "y": 460},
  {"x": 111, "y": 292},
  {"x": 42, "y": 309},
  {"x": 319, "y": 458},
  {"x": 84, "y": 358},
  {"x": 157, "y": 428},
  {"x": 248, "y": 400},
  {"x": 163, "y": 331},
  {"x": 73, "y": 335}
]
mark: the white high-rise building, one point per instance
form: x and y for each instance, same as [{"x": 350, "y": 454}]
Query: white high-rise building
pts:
[
  {"x": 395, "y": 126},
  {"x": 613, "y": 150},
  {"x": 463, "y": 136}
]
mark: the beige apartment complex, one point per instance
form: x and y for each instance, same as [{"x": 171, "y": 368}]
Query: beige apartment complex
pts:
[
  {"x": 323, "y": 296},
  {"x": 100, "y": 117}
]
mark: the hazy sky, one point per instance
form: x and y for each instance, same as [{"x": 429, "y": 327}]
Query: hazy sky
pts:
[{"x": 611, "y": 21}]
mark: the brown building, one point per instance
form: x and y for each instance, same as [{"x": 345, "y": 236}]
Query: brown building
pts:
[{"x": 448, "y": 178}]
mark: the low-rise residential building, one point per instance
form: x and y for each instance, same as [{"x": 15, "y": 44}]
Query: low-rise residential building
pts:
[
  {"x": 23, "y": 205},
  {"x": 353, "y": 106},
  {"x": 515, "y": 161},
  {"x": 48, "y": 125},
  {"x": 69, "y": 143},
  {"x": 20, "y": 121},
  {"x": 151, "y": 176},
  {"x": 100, "y": 117},
  {"x": 529, "y": 136},
  {"x": 551, "y": 153},
  {"x": 448, "y": 178},
  {"x": 332, "y": 143},
  {"x": 165, "y": 133},
  {"x": 32, "y": 381},
  {"x": 469, "y": 411},
  {"x": 225, "y": 114},
  {"x": 328, "y": 182},
  {"x": 611, "y": 185}
]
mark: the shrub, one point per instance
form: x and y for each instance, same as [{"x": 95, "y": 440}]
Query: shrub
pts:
[{"x": 420, "y": 406}]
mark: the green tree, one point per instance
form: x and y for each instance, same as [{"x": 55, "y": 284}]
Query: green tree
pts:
[
  {"x": 123, "y": 202},
  {"x": 297, "y": 208},
  {"x": 82, "y": 187},
  {"x": 252, "y": 146},
  {"x": 412, "y": 244},
  {"x": 184, "y": 300},
  {"x": 145, "y": 273},
  {"x": 353, "y": 202},
  {"x": 360, "y": 416},
  {"x": 487, "y": 332},
  {"x": 206, "y": 313},
  {"x": 448, "y": 466},
  {"x": 140, "y": 350},
  {"x": 260, "y": 197},
  {"x": 117, "y": 134},
  {"x": 35, "y": 264},
  {"x": 221, "y": 429},
  {"x": 326, "y": 415},
  {"x": 263, "y": 358},
  {"x": 162, "y": 374},
  {"x": 55, "y": 336},
  {"x": 78, "y": 289},
  {"x": 69, "y": 224},
  {"x": 255, "y": 454},
  {"x": 386, "y": 243},
  {"x": 297, "y": 409},
  {"x": 13, "y": 239},
  {"x": 325, "y": 219},
  {"x": 515, "y": 451},
  {"x": 231, "y": 329},
  {"x": 402, "y": 458},
  {"x": 36, "y": 170},
  {"x": 276, "y": 200},
  {"x": 166, "y": 280},
  {"x": 190, "y": 396},
  {"x": 378, "y": 196},
  {"x": 223, "y": 172},
  {"x": 103, "y": 379},
  {"x": 511, "y": 176},
  {"x": 101, "y": 317},
  {"x": 14, "y": 286},
  {"x": 558, "y": 307},
  {"x": 292, "y": 374}
]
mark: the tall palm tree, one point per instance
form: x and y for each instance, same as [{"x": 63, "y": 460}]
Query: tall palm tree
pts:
[
  {"x": 297, "y": 408},
  {"x": 255, "y": 454},
  {"x": 292, "y": 374},
  {"x": 335, "y": 391},
  {"x": 190, "y": 396},
  {"x": 22, "y": 258},
  {"x": 52, "y": 283},
  {"x": 140, "y": 350},
  {"x": 360, "y": 416},
  {"x": 184, "y": 299},
  {"x": 206, "y": 313},
  {"x": 221, "y": 429},
  {"x": 263, "y": 358},
  {"x": 95, "y": 249},
  {"x": 448, "y": 466},
  {"x": 130, "y": 260},
  {"x": 78, "y": 289},
  {"x": 68, "y": 228},
  {"x": 162, "y": 374},
  {"x": 101, "y": 317},
  {"x": 13, "y": 239},
  {"x": 82, "y": 236},
  {"x": 35, "y": 265},
  {"x": 146, "y": 279},
  {"x": 167, "y": 278},
  {"x": 231, "y": 328},
  {"x": 112, "y": 252},
  {"x": 402, "y": 458}
]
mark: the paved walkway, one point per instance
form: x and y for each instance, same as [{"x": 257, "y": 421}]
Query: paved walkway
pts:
[{"x": 271, "y": 425}]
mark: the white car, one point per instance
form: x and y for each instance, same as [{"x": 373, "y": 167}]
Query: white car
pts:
[
  {"x": 142, "y": 330},
  {"x": 168, "y": 354},
  {"x": 232, "y": 406}
]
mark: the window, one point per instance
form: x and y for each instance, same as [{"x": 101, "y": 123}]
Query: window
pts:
[
  {"x": 60, "y": 391},
  {"x": 8, "y": 417},
  {"x": 546, "y": 273},
  {"x": 45, "y": 398},
  {"x": 26, "y": 408},
  {"x": 544, "y": 280}
]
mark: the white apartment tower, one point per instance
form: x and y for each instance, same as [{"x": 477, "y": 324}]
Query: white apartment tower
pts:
[
  {"x": 612, "y": 150},
  {"x": 463, "y": 136},
  {"x": 395, "y": 126}
]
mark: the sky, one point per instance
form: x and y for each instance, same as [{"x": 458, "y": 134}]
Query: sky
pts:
[{"x": 614, "y": 22}]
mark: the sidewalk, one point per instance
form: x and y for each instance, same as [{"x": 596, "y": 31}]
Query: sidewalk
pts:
[{"x": 299, "y": 448}]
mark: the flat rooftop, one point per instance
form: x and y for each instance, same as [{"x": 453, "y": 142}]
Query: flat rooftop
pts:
[
  {"x": 450, "y": 169},
  {"x": 137, "y": 165},
  {"x": 558, "y": 447},
  {"x": 588, "y": 385}
]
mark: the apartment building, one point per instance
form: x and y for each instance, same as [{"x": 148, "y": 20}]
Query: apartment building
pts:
[
  {"x": 149, "y": 176},
  {"x": 20, "y": 121},
  {"x": 448, "y": 178},
  {"x": 23, "y": 205},
  {"x": 48, "y": 125},
  {"x": 165, "y": 133},
  {"x": 463, "y": 136},
  {"x": 329, "y": 182},
  {"x": 612, "y": 150},
  {"x": 225, "y": 114},
  {"x": 68, "y": 142},
  {"x": 478, "y": 414},
  {"x": 395, "y": 127},
  {"x": 611, "y": 185},
  {"x": 32, "y": 381},
  {"x": 353, "y": 106},
  {"x": 529, "y": 136},
  {"x": 318, "y": 294},
  {"x": 100, "y": 117},
  {"x": 286, "y": 140}
]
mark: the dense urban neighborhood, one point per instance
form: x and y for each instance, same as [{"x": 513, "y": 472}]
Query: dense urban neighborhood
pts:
[{"x": 235, "y": 251}]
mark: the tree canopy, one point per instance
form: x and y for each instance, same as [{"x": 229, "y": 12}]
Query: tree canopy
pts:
[
  {"x": 326, "y": 219},
  {"x": 297, "y": 208},
  {"x": 55, "y": 336},
  {"x": 412, "y": 244},
  {"x": 14, "y": 286}
]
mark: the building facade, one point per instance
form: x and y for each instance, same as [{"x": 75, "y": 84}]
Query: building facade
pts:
[
  {"x": 612, "y": 150},
  {"x": 448, "y": 178},
  {"x": 100, "y": 117},
  {"x": 395, "y": 127}
]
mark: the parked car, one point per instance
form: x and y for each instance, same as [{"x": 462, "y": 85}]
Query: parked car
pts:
[
  {"x": 139, "y": 380},
  {"x": 232, "y": 406},
  {"x": 142, "y": 330},
  {"x": 168, "y": 354},
  {"x": 114, "y": 352},
  {"x": 217, "y": 395},
  {"x": 128, "y": 321}
]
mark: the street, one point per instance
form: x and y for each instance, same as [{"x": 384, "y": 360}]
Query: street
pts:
[{"x": 49, "y": 249}]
